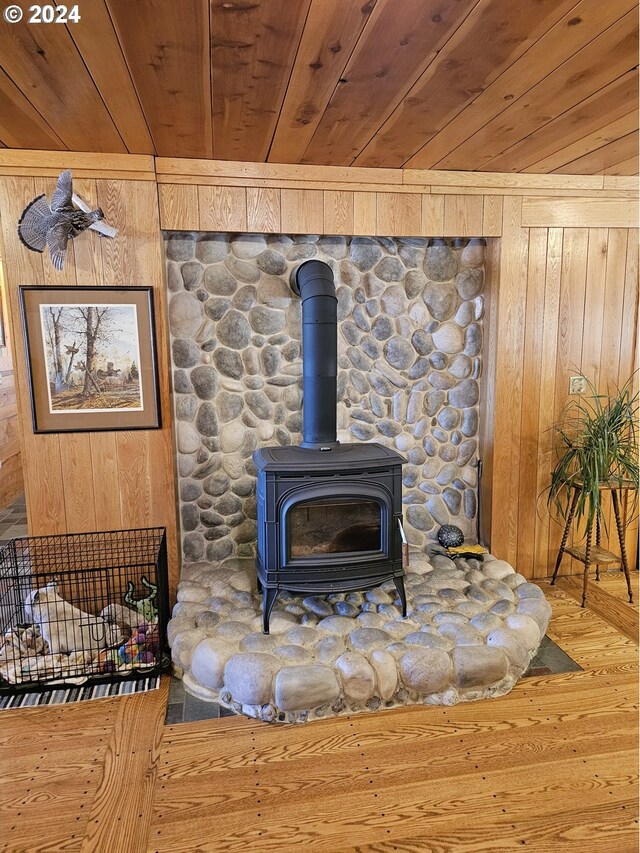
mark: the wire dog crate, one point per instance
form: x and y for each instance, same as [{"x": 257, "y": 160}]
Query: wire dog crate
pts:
[{"x": 82, "y": 607}]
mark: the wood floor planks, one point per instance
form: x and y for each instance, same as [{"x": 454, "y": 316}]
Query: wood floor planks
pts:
[
  {"x": 50, "y": 774},
  {"x": 279, "y": 785},
  {"x": 61, "y": 765},
  {"x": 609, "y": 599},
  {"x": 347, "y": 818},
  {"x": 121, "y": 809},
  {"x": 553, "y": 765},
  {"x": 200, "y": 798}
]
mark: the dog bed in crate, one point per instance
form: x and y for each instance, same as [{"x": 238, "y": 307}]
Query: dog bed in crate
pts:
[{"x": 82, "y": 607}]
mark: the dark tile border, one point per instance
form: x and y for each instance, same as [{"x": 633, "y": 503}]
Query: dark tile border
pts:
[{"x": 552, "y": 659}]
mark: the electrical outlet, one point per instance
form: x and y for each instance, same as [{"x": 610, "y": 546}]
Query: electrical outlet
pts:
[{"x": 577, "y": 385}]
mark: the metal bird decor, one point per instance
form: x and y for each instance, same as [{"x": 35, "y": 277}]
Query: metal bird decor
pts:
[{"x": 53, "y": 225}]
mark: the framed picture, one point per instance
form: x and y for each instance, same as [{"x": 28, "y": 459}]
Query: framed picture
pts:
[{"x": 91, "y": 357}]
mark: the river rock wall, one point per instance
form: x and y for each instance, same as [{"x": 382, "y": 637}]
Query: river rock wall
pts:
[{"x": 409, "y": 359}]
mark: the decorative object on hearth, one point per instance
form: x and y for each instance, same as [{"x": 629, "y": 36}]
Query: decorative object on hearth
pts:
[
  {"x": 467, "y": 550},
  {"x": 329, "y": 514},
  {"x": 53, "y": 225},
  {"x": 450, "y": 536},
  {"x": 91, "y": 354},
  {"x": 60, "y": 620},
  {"x": 597, "y": 453}
]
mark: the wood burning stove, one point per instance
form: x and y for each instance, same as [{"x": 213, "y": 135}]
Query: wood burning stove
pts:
[{"x": 329, "y": 514}]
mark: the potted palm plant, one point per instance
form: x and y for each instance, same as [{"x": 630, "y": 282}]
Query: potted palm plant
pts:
[{"x": 596, "y": 451}]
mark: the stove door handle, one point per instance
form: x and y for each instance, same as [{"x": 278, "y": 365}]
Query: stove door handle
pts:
[{"x": 405, "y": 544}]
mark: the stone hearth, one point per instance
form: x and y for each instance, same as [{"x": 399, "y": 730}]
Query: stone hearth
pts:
[{"x": 471, "y": 630}]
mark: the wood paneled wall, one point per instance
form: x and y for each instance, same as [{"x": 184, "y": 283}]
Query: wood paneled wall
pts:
[
  {"x": 95, "y": 480},
  {"x": 11, "y": 483},
  {"x": 561, "y": 292},
  {"x": 566, "y": 304}
]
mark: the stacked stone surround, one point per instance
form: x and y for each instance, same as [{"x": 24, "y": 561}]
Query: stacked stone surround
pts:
[
  {"x": 470, "y": 633},
  {"x": 409, "y": 358}
]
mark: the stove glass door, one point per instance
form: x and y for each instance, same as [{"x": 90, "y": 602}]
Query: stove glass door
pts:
[{"x": 334, "y": 526}]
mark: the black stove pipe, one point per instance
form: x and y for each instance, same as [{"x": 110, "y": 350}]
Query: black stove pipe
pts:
[{"x": 313, "y": 282}]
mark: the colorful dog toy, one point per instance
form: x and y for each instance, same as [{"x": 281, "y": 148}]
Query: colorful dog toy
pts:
[
  {"x": 141, "y": 648},
  {"x": 144, "y": 605}
]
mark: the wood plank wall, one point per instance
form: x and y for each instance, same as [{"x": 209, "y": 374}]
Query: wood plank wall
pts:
[
  {"x": 566, "y": 303},
  {"x": 561, "y": 292},
  {"x": 97, "y": 480},
  {"x": 11, "y": 482}
]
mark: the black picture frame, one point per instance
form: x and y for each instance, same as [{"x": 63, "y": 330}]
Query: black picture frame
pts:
[{"x": 58, "y": 407}]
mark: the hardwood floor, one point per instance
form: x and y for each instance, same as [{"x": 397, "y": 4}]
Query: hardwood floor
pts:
[
  {"x": 551, "y": 766},
  {"x": 608, "y": 597}
]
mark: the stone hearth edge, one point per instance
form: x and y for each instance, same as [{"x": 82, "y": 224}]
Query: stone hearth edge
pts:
[{"x": 471, "y": 630}]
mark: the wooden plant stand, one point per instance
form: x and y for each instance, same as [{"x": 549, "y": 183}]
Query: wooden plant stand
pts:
[{"x": 589, "y": 554}]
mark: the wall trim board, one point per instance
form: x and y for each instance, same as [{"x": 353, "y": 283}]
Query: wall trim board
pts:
[
  {"x": 503, "y": 180},
  {"x": 98, "y": 165},
  {"x": 529, "y": 191},
  {"x": 423, "y": 189},
  {"x": 172, "y": 170},
  {"x": 508, "y": 327},
  {"x": 292, "y": 184},
  {"x": 621, "y": 182},
  {"x": 592, "y": 212},
  {"x": 361, "y": 176},
  {"x": 276, "y": 171},
  {"x": 89, "y": 174},
  {"x": 486, "y": 434}
]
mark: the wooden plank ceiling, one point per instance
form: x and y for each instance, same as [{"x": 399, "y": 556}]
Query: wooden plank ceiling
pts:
[{"x": 491, "y": 85}]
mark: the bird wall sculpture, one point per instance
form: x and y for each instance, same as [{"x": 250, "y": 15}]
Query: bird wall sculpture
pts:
[{"x": 53, "y": 225}]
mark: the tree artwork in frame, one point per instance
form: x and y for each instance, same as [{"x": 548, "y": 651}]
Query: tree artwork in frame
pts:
[{"x": 91, "y": 355}]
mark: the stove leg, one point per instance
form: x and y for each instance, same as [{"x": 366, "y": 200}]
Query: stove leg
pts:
[
  {"x": 399, "y": 582},
  {"x": 268, "y": 600},
  {"x": 258, "y": 584}
]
